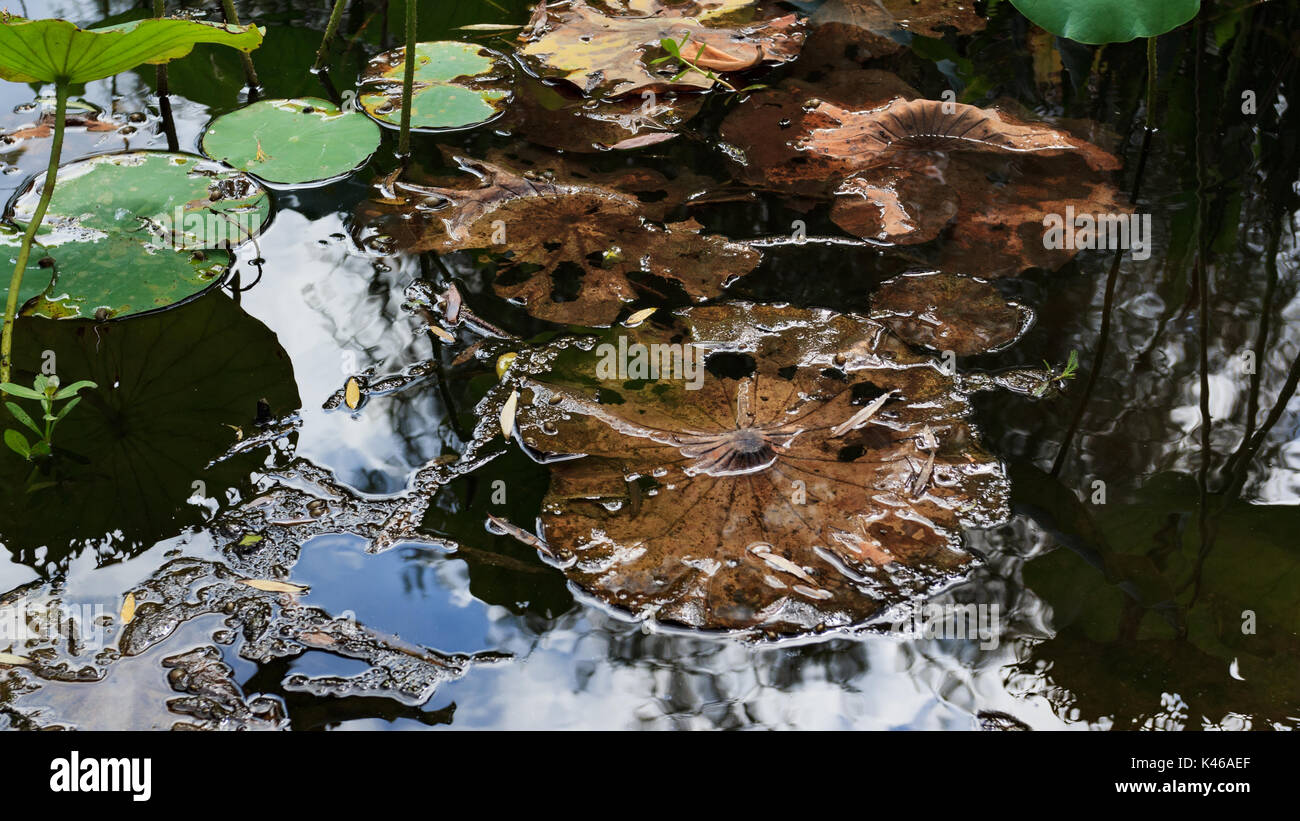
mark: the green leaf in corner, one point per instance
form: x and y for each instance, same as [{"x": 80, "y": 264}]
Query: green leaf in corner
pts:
[{"x": 56, "y": 51}]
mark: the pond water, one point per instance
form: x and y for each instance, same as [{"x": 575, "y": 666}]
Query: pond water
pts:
[{"x": 1145, "y": 574}]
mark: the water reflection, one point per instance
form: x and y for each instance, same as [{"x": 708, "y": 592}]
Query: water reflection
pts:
[{"x": 1123, "y": 609}]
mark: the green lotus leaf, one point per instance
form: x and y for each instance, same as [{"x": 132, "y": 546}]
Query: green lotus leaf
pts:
[
  {"x": 136, "y": 232},
  {"x": 1108, "y": 21},
  {"x": 56, "y": 51},
  {"x": 456, "y": 85},
  {"x": 292, "y": 142},
  {"x": 88, "y": 280},
  {"x": 36, "y": 280}
]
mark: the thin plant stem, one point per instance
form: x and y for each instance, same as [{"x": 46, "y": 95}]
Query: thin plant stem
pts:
[
  {"x": 336, "y": 15},
  {"x": 29, "y": 236},
  {"x": 164, "y": 90},
  {"x": 408, "y": 82},
  {"x": 250, "y": 73}
]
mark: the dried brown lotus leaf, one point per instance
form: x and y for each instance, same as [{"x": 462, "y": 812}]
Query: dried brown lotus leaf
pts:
[
  {"x": 819, "y": 489},
  {"x": 948, "y": 312},
  {"x": 556, "y": 228}
]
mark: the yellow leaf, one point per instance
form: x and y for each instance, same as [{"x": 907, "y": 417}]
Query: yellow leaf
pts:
[
  {"x": 352, "y": 393},
  {"x": 17, "y": 661},
  {"x": 639, "y": 317},
  {"x": 272, "y": 586},
  {"x": 508, "y": 414},
  {"x": 128, "y": 608},
  {"x": 504, "y": 361}
]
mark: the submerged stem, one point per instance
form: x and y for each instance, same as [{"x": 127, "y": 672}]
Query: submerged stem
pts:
[
  {"x": 29, "y": 236},
  {"x": 408, "y": 81}
]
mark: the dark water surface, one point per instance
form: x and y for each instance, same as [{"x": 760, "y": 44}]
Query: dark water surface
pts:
[{"x": 1138, "y": 548}]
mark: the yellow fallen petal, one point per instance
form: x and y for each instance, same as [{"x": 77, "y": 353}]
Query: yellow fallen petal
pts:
[
  {"x": 17, "y": 661},
  {"x": 352, "y": 393},
  {"x": 128, "y": 608},
  {"x": 504, "y": 361},
  {"x": 272, "y": 586},
  {"x": 508, "y": 414},
  {"x": 639, "y": 317}
]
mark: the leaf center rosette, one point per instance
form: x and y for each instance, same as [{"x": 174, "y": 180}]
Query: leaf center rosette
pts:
[{"x": 758, "y": 468}]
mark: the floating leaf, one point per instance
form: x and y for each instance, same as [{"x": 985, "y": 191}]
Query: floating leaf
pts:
[
  {"x": 558, "y": 116},
  {"x": 168, "y": 219},
  {"x": 49, "y": 51},
  {"x": 36, "y": 281},
  {"x": 273, "y": 586},
  {"x": 457, "y": 85},
  {"x": 128, "y": 609},
  {"x": 611, "y": 53},
  {"x": 292, "y": 142},
  {"x": 783, "y": 494},
  {"x": 249, "y": 539},
  {"x": 947, "y": 312},
  {"x": 13, "y": 660},
  {"x": 352, "y": 393},
  {"x": 638, "y": 317},
  {"x": 1108, "y": 21},
  {"x": 879, "y": 27},
  {"x": 508, "y": 414},
  {"x": 556, "y": 228},
  {"x": 905, "y": 170}
]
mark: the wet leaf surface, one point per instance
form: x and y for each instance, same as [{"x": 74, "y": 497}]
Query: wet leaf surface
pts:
[
  {"x": 292, "y": 142},
  {"x": 558, "y": 117},
  {"x": 550, "y": 230},
  {"x": 819, "y": 476},
  {"x": 948, "y": 312},
  {"x": 609, "y": 53},
  {"x": 905, "y": 171},
  {"x": 166, "y": 218},
  {"x": 456, "y": 85}
]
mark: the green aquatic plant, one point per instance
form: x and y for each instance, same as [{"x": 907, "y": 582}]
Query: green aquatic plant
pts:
[
  {"x": 59, "y": 52},
  {"x": 1068, "y": 372},
  {"x": 46, "y": 390},
  {"x": 692, "y": 64},
  {"x": 1097, "y": 22}
]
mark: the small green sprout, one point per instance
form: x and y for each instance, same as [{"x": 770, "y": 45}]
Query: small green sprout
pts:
[
  {"x": 1070, "y": 370},
  {"x": 46, "y": 390},
  {"x": 674, "y": 49}
]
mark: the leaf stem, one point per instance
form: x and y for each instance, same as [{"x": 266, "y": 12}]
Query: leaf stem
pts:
[
  {"x": 408, "y": 81},
  {"x": 29, "y": 236},
  {"x": 336, "y": 14},
  {"x": 250, "y": 73}
]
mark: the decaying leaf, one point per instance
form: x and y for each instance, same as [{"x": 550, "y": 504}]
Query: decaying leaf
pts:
[
  {"x": 273, "y": 586},
  {"x": 819, "y": 475},
  {"x": 352, "y": 393},
  {"x": 552, "y": 229},
  {"x": 905, "y": 171},
  {"x": 610, "y": 52},
  {"x": 507, "y": 416},
  {"x": 556, "y": 115},
  {"x": 13, "y": 660},
  {"x": 947, "y": 312},
  {"x": 867, "y": 138},
  {"x": 876, "y": 26}
]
